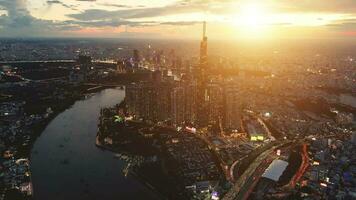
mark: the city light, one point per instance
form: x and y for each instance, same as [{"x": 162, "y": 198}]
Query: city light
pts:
[
  {"x": 190, "y": 99},
  {"x": 191, "y": 129}
]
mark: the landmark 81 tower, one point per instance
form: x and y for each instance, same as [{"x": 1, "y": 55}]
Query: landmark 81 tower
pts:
[{"x": 202, "y": 81}]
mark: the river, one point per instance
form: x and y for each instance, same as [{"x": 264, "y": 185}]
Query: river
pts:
[
  {"x": 348, "y": 99},
  {"x": 66, "y": 164}
]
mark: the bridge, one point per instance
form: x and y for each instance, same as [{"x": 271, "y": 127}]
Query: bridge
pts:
[
  {"x": 103, "y": 84},
  {"x": 96, "y": 86}
]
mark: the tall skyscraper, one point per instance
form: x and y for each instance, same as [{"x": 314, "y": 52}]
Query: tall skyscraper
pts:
[
  {"x": 204, "y": 49},
  {"x": 202, "y": 76}
]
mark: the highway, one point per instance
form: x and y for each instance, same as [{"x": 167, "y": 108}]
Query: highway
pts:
[
  {"x": 252, "y": 180},
  {"x": 243, "y": 185},
  {"x": 249, "y": 179}
]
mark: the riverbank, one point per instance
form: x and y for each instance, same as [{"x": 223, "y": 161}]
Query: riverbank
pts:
[
  {"x": 57, "y": 109},
  {"x": 157, "y": 188},
  {"x": 66, "y": 152},
  {"x": 35, "y": 119}
]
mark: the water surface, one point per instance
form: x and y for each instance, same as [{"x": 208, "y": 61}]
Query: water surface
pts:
[{"x": 66, "y": 164}]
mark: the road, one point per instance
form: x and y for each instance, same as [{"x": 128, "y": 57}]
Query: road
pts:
[
  {"x": 303, "y": 167},
  {"x": 249, "y": 179},
  {"x": 245, "y": 181},
  {"x": 252, "y": 181}
]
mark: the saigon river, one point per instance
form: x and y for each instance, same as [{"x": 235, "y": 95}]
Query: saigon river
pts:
[{"x": 66, "y": 164}]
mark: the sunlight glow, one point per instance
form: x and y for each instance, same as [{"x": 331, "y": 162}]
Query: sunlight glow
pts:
[
  {"x": 252, "y": 16},
  {"x": 251, "y": 20}
]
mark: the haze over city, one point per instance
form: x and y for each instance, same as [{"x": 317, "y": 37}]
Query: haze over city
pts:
[{"x": 177, "y": 99}]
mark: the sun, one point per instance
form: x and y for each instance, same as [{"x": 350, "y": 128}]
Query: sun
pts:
[
  {"x": 252, "y": 15},
  {"x": 251, "y": 19}
]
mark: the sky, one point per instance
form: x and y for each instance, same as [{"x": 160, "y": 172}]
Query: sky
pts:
[{"x": 226, "y": 19}]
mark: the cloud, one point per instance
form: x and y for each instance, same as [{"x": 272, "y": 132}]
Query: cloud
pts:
[
  {"x": 19, "y": 22},
  {"x": 99, "y": 14},
  {"x": 344, "y": 25},
  {"x": 329, "y": 6},
  {"x": 115, "y": 5},
  {"x": 337, "y": 6},
  {"x": 54, "y": 2},
  {"x": 181, "y": 23},
  {"x": 102, "y": 23},
  {"x": 50, "y": 2}
]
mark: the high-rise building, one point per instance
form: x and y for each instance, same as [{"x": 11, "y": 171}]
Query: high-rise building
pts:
[
  {"x": 84, "y": 63},
  {"x": 200, "y": 98},
  {"x": 204, "y": 49},
  {"x": 163, "y": 101},
  {"x": 120, "y": 67},
  {"x": 136, "y": 58},
  {"x": 177, "y": 105},
  {"x": 83, "y": 59},
  {"x": 190, "y": 101},
  {"x": 149, "y": 100},
  {"x": 232, "y": 106},
  {"x": 202, "y": 78},
  {"x": 215, "y": 102}
]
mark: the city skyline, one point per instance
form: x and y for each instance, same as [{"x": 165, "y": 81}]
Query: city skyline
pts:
[
  {"x": 228, "y": 19},
  {"x": 177, "y": 99}
]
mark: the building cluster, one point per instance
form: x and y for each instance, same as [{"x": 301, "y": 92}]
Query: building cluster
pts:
[
  {"x": 332, "y": 173},
  {"x": 26, "y": 109},
  {"x": 15, "y": 136},
  {"x": 166, "y": 99},
  {"x": 230, "y": 149},
  {"x": 191, "y": 163},
  {"x": 15, "y": 175},
  {"x": 196, "y": 97}
]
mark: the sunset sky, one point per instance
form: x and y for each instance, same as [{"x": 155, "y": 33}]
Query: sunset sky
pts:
[{"x": 227, "y": 19}]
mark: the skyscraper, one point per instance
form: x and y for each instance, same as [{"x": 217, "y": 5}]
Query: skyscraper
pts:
[
  {"x": 177, "y": 105},
  {"x": 232, "y": 106},
  {"x": 136, "y": 58},
  {"x": 204, "y": 49},
  {"x": 202, "y": 76}
]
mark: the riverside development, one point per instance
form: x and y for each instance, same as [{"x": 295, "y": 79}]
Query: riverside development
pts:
[
  {"x": 217, "y": 144},
  {"x": 141, "y": 120}
]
